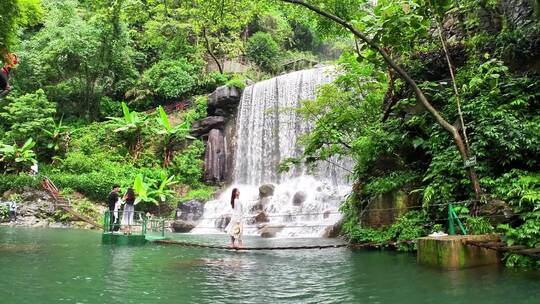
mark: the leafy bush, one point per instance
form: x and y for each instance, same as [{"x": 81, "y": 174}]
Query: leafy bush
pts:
[
  {"x": 171, "y": 78},
  {"x": 202, "y": 193},
  {"x": 409, "y": 226},
  {"x": 17, "y": 159},
  {"x": 17, "y": 182},
  {"x": 187, "y": 164},
  {"x": 4, "y": 212},
  {"x": 263, "y": 50},
  {"x": 237, "y": 81},
  {"x": 27, "y": 115}
]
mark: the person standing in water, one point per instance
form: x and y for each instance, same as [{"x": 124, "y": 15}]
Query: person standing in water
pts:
[{"x": 236, "y": 227}]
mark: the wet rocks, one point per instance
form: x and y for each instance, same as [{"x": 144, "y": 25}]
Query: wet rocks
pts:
[
  {"x": 332, "y": 231},
  {"x": 203, "y": 126},
  {"x": 222, "y": 221},
  {"x": 182, "y": 226},
  {"x": 223, "y": 100},
  {"x": 215, "y": 157},
  {"x": 299, "y": 197},
  {"x": 266, "y": 190},
  {"x": 270, "y": 231},
  {"x": 190, "y": 211},
  {"x": 498, "y": 212}
]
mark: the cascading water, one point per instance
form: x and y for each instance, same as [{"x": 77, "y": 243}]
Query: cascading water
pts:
[{"x": 305, "y": 200}]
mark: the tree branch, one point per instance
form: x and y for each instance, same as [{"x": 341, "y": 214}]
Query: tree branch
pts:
[{"x": 211, "y": 52}]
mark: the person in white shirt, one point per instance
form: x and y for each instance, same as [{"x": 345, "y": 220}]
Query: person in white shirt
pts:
[{"x": 236, "y": 226}]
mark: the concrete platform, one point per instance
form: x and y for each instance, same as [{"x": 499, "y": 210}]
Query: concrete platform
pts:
[
  {"x": 122, "y": 239},
  {"x": 450, "y": 252}
]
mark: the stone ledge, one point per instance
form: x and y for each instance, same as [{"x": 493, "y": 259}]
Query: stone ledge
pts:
[{"x": 450, "y": 252}]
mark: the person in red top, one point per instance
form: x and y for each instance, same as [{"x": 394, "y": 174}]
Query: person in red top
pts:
[{"x": 10, "y": 62}]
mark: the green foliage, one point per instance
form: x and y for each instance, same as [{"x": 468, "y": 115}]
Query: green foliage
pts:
[
  {"x": 4, "y": 212},
  {"x": 187, "y": 165},
  {"x": 202, "y": 193},
  {"x": 17, "y": 182},
  {"x": 77, "y": 57},
  {"x": 15, "y": 158},
  {"x": 27, "y": 115},
  {"x": 171, "y": 78},
  {"x": 409, "y": 226},
  {"x": 478, "y": 225},
  {"x": 237, "y": 81},
  {"x": 263, "y": 50},
  {"x": 57, "y": 138}
]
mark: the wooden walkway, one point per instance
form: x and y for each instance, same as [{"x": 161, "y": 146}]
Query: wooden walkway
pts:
[
  {"x": 502, "y": 247},
  {"x": 64, "y": 204},
  {"x": 190, "y": 244}
]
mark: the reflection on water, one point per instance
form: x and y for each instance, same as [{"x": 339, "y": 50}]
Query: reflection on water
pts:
[{"x": 71, "y": 266}]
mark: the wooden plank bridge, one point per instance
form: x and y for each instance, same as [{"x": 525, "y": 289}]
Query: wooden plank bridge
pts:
[
  {"x": 199, "y": 245},
  {"x": 504, "y": 248}
]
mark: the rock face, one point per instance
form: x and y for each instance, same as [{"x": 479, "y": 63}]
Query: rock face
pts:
[
  {"x": 187, "y": 216},
  {"x": 223, "y": 100},
  {"x": 215, "y": 157},
  {"x": 386, "y": 208},
  {"x": 190, "y": 211},
  {"x": 218, "y": 132},
  {"x": 299, "y": 197},
  {"x": 203, "y": 126},
  {"x": 266, "y": 190},
  {"x": 332, "y": 231},
  {"x": 498, "y": 212}
]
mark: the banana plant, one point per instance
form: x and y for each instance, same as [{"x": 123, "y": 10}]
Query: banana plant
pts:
[
  {"x": 163, "y": 191},
  {"x": 142, "y": 190},
  {"x": 17, "y": 158},
  {"x": 58, "y": 137},
  {"x": 150, "y": 191},
  {"x": 171, "y": 135},
  {"x": 130, "y": 124}
]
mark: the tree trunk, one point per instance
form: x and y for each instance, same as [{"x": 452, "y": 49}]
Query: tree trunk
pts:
[
  {"x": 209, "y": 49},
  {"x": 407, "y": 78}
]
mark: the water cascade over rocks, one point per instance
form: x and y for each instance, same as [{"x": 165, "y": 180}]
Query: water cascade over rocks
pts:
[{"x": 302, "y": 202}]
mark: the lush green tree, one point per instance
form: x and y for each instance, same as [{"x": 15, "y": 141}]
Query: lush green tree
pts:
[
  {"x": 76, "y": 58},
  {"x": 171, "y": 79},
  {"x": 27, "y": 115},
  {"x": 130, "y": 125},
  {"x": 263, "y": 50}
]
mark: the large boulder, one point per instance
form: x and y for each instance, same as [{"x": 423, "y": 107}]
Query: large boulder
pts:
[
  {"x": 498, "y": 212},
  {"x": 190, "y": 211},
  {"x": 266, "y": 190},
  {"x": 222, "y": 221},
  {"x": 224, "y": 100},
  {"x": 299, "y": 197},
  {"x": 332, "y": 231},
  {"x": 269, "y": 231},
  {"x": 203, "y": 126},
  {"x": 261, "y": 217},
  {"x": 182, "y": 226}
]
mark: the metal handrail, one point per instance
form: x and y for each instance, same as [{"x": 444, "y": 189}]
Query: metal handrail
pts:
[{"x": 139, "y": 220}]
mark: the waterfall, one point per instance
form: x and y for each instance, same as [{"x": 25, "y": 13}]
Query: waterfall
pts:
[{"x": 305, "y": 200}]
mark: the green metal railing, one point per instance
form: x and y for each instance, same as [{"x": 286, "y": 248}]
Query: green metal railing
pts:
[
  {"x": 141, "y": 224},
  {"x": 452, "y": 220}
]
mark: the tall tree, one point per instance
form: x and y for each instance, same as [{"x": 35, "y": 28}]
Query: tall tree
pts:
[{"x": 388, "y": 60}]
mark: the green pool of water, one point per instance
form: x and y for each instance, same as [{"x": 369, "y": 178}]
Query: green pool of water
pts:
[{"x": 72, "y": 266}]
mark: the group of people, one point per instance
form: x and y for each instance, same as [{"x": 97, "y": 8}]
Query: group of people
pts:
[
  {"x": 235, "y": 227},
  {"x": 115, "y": 204}
]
